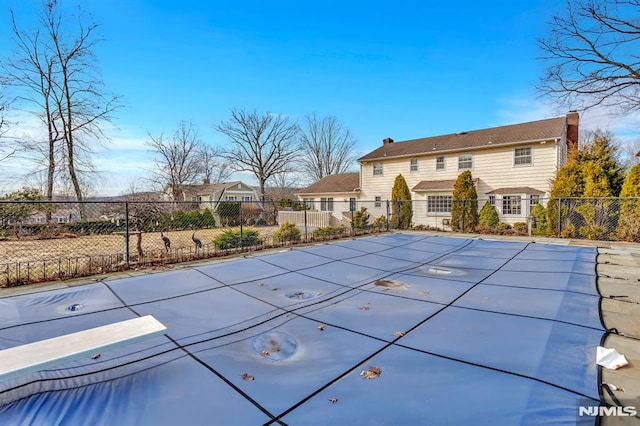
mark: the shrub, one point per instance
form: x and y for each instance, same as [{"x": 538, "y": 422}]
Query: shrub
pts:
[
  {"x": 401, "y": 204},
  {"x": 488, "y": 216},
  {"x": 287, "y": 232},
  {"x": 186, "y": 219},
  {"x": 539, "y": 213},
  {"x": 328, "y": 231},
  {"x": 360, "y": 219},
  {"x": 629, "y": 223},
  {"x": 464, "y": 206},
  {"x": 521, "y": 228},
  {"x": 229, "y": 212},
  {"x": 380, "y": 222},
  {"x": 231, "y": 238},
  {"x": 503, "y": 228},
  {"x": 287, "y": 203},
  {"x": 250, "y": 213},
  {"x": 484, "y": 229}
]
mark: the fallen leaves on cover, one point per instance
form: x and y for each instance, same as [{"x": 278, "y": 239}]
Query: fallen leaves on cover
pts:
[
  {"x": 371, "y": 373},
  {"x": 247, "y": 376}
]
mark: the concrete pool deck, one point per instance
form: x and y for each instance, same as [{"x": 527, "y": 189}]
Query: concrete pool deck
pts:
[{"x": 618, "y": 271}]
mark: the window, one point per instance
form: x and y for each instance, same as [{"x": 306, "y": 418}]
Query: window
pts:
[
  {"x": 378, "y": 202},
  {"x": 414, "y": 165},
  {"x": 511, "y": 204},
  {"x": 309, "y": 202},
  {"x": 492, "y": 200},
  {"x": 249, "y": 198},
  {"x": 326, "y": 204},
  {"x": 439, "y": 203},
  {"x": 533, "y": 200},
  {"x": 440, "y": 163},
  {"x": 465, "y": 162},
  {"x": 522, "y": 157},
  {"x": 231, "y": 198},
  {"x": 377, "y": 169},
  {"x": 352, "y": 204}
]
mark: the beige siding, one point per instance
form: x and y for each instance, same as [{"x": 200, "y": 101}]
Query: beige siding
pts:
[{"x": 494, "y": 167}]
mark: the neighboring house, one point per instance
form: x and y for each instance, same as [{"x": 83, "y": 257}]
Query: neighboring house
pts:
[
  {"x": 61, "y": 215},
  {"x": 512, "y": 167},
  {"x": 210, "y": 194},
  {"x": 335, "y": 194}
]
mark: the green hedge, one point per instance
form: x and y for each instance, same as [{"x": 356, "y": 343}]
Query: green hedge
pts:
[
  {"x": 287, "y": 232},
  {"x": 329, "y": 231},
  {"x": 231, "y": 238}
]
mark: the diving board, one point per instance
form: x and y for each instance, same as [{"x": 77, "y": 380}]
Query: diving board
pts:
[{"x": 36, "y": 356}]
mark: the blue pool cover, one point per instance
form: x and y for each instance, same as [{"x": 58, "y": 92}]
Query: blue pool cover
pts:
[{"x": 391, "y": 329}]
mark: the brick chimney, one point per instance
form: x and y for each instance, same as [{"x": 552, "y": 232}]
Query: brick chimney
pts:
[
  {"x": 572, "y": 130},
  {"x": 386, "y": 141},
  {"x": 205, "y": 181}
]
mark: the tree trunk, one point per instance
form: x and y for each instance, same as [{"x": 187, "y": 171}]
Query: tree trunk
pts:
[{"x": 52, "y": 161}]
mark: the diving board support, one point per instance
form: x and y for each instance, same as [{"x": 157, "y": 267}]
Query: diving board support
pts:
[{"x": 36, "y": 356}]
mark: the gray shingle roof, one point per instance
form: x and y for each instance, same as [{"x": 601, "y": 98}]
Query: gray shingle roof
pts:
[
  {"x": 209, "y": 188},
  {"x": 345, "y": 182},
  {"x": 548, "y": 129}
]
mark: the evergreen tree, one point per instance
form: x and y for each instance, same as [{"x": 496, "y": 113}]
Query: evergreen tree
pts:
[
  {"x": 595, "y": 210},
  {"x": 402, "y": 209},
  {"x": 360, "y": 219},
  {"x": 568, "y": 183},
  {"x": 464, "y": 208},
  {"x": 601, "y": 150},
  {"x": 488, "y": 216},
  {"x": 540, "y": 215},
  {"x": 629, "y": 222}
]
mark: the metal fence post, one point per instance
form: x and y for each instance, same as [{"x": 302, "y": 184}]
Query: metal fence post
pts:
[
  {"x": 388, "y": 208},
  {"x": 241, "y": 220},
  {"x": 306, "y": 236},
  {"x": 559, "y": 217},
  {"x": 126, "y": 232},
  {"x": 464, "y": 206}
]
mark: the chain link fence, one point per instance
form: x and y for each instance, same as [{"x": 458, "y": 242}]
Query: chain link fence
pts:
[{"x": 43, "y": 241}]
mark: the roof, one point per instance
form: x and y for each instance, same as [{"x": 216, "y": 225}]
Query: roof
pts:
[
  {"x": 516, "y": 190},
  {"x": 548, "y": 129},
  {"x": 436, "y": 185},
  {"x": 210, "y": 188},
  {"x": 345, "y": 182}
]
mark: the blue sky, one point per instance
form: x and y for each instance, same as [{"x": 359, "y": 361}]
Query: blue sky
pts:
[{"x": 404, "y": 69}]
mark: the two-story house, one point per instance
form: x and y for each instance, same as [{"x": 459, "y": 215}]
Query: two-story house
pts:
[
  {"x": 210, "y": 194},
  {"x": 512, "y": 166}
]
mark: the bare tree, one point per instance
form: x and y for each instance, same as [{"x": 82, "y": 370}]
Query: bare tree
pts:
[
  {"x": 283, "y": 185},
  {"x": 57, "y": 72},
  {"x": 177, "y": 163},
  {"x": 6, "y": 150},
  {"x": 263, "y": 144},
  {"x": 592, "y": 58},
  {"x": 327, "y": 147},
  {"x": 213, "y": 168}
]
